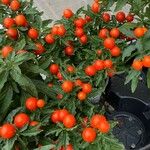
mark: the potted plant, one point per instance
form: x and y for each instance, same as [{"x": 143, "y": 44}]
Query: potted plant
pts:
[{"x": 49, "y": 73}]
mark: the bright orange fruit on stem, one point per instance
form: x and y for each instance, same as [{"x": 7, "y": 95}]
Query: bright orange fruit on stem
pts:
[
  {"x": 20, "y": 20},
  {"x": 89, "y": 135},
  {"x": 40, "y": 103},
  {"x": 67, "y": 86},
  {"x": 104, "y": 127},
  {"x": 137, "y": 65},
  {"x": 67, "y": 13},
  {"x": 15, "y": 5},
  {"x": 139, "y": 32},
  {"x": 81, "y": 96},
  {"x": 8, "y": 22},
  {"x": 21, "y": 120},
  {"x": 8, "y": 131},
  {"x": 69, "y": 121},
  {"x": 6, "y": 50},
  {"x": 96, "y": 120},
  {"x": 146, "y": 61},
  {"x": 31, "y": 103},
  {"x": 109, "y": 43}
]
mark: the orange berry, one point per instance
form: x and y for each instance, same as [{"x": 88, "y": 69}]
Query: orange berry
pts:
[
  {"x": 139, "y": 32},
  {"x": 81, "y": 96},
  {"x": 40, "y": 103},
  {"x": 137, "y": 65}
]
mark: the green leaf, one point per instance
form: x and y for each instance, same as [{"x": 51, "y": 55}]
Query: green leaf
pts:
[
  {"x": 127, "y": 51},
  {"x": 3, "y": 78},
  {"x": 54, "y": 130},
  {"x": 132, "y": 74},
  {"x": 99, "y": 90},
  {"x": 35, "y": 69},
  {"x": 63, "y": 139},
  {"x": 20, "y": 58},
  {"x": 6, "y": 102},
  {"x": 1, "y": 61},
  {"x": 109, "y": 4},
  {"x": 45, "y": 64},
  {"x": 30, "y": 11},
  {"x": 23, "y": 28},
  {"x": 15, "y": 86},
  {"x": 100, "y": 78},
  {"x": 126, "y": 30},
  {"x": 79, "y": 10},
  {"x": 120, "y": 4},
  {"x": 139, "y": 45},
  {"x": 32, "y": 131},
  {"x": 64, "y": 74},
  {"x": 113, "y": 142},
  {"x": 30, "y": 45},
  {"x": 37, "y": 22},
  {"x": 46, "y": 22},
  {"x": 23, "y": 97},
  {"x": 46, "y": 147},
  {"x": 23, "y": 143},
  {"x": 72, "y": 107},
  {"x": 11, "y": 115},
  {"x": 24, "y": 82},
  {"x": 134, "y": 84},
  {"x": 43, "y": 88},
  {"x": 146, "y": 44},
  {"x": 147, "y": 35},
  {"x": 148, "y": 78},
  {"x": 20, "y": 44},
  {"x": 9, "y": 144}
]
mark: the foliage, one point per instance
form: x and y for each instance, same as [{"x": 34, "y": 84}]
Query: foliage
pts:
[{"x": 66, "y": 65}]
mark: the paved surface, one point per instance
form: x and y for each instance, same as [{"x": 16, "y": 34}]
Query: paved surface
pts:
[{"x": 54, "y": 8}]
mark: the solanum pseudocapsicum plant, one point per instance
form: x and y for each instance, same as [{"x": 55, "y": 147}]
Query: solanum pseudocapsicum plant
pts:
[
  {"x": 137, "y": 52},
  {"x": 76, "y": 57},
  {"x": 21, "y": 45}
]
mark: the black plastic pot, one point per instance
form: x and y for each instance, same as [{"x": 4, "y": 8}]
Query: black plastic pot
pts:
[{"x": 132, "y": 111}]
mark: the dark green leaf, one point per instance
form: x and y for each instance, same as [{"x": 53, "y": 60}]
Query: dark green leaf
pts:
[
  {"x": 46, "y": 147},
  {"x": 55, "y": 131},
  {"x": 63, "y": 139},
  {"x": 146, "y": 44},
  {"x": 132, "y": 74},
  {"x": 46, "y": 22},
  {"x": 126, "y": 30},
  {"x": 23, "y": 143},
  {"x": 127, "y": 51},
  {"x": 20, "y": 44},
  {"x": 120, "y": 4},
  {"x": 11, "y": 115},
  {"x": 20, "y": 58},
  {"x": 30, "y": 45},
  {"x": 9, "y": 144},
  {"x": 23, "y": 97},
  {"x": 147, "y": 35},
  {"x": 30, "y": 11},
  {"x": 139, "y": 45},
  {"x": 80, "y": 10},
  {"x": 72, "y": 107},
  {"x": 32, "y": 131},
  {"x": 46, "y": 63},
  {"x": 6, "y": 102},
  {"x": 35, "y": 69},
  {"x": 3, "y": 78},
  {"x": 134, "y": 84},
  {"x": 43, "y": 88},
  {"x": 148, "y": 78},
  {"x": 24, "y": 82}
]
